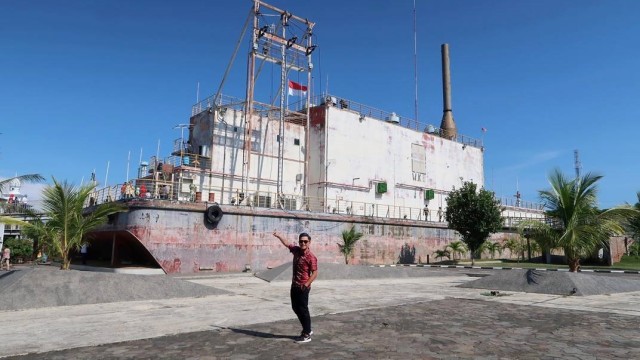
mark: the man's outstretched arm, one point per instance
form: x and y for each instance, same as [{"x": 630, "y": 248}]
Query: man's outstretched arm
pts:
[{"x": 282, "y": 240}]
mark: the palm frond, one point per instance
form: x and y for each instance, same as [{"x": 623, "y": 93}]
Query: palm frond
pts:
[{"x": 31, "y": 178}]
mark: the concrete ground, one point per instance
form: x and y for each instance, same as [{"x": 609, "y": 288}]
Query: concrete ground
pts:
[{"x": 409, "y": 317}]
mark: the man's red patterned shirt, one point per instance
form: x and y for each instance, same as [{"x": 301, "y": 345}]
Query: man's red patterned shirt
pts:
[{"x": 304, "y": 264}]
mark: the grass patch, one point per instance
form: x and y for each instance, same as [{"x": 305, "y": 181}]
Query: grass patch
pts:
[{"x": 627, "y": 263}]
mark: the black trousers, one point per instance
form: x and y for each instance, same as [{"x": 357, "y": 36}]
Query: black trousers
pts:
[{"x": 300, "y": 306}]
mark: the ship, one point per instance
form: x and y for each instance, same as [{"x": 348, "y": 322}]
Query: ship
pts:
[{"x": 315, "y": 163}]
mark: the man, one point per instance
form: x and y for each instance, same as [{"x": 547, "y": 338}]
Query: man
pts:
[
  {"x": 305, "y": 271},
  {"x": 6, "y": 258},
  {"x": 440, "y": 214}
]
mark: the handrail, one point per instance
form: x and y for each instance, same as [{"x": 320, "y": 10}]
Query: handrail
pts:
[
  {"x": 162, "y": 189},
  {"x": 343, "y": 103}
]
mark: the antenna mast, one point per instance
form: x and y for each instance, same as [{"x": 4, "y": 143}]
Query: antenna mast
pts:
[{"x": 290, "y": 48}]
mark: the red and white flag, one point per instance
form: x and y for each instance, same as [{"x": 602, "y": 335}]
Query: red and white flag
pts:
[{"x": 297, "y": 89}]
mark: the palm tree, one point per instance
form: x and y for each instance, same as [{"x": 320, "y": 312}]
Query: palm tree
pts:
[
  {"x": 349, "y": 239},
  {"x": 543, "y": 233},
  {"x": 442, "y": 253},
  {"x": 581, "y": 228},
  {"x": 63, "y": 205},
  {"x": 493, "y": 248},
  {"x": 26, "y": 178},
  {"x": 457, "y": 247},
  {"x": 515, "y": 247},
  {"x": 38, "y": 231},
  {"x": 634, "y": 223}
]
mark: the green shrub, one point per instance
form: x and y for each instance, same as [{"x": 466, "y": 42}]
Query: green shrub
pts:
[
  {"x": 634, "y": 249},
  {"x": 19, "y": 247}
]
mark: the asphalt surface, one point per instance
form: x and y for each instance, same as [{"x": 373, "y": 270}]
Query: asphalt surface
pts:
[
  {"x": 443, "y": 329},
  {"x": 428, "y": 317}
]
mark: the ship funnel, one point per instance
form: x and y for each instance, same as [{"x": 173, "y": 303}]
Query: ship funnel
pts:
[{"x": 448, "y": 125}]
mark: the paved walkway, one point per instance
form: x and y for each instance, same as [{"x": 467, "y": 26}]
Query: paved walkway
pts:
[{"x": 387, "y": 318}]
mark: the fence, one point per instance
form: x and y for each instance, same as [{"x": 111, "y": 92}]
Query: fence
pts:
[
  {"x": 157, "y": 189},
  {"x": 368, "y": 111}
]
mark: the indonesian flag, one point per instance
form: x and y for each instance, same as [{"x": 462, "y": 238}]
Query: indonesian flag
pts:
[{"x": 297, "y": 89}]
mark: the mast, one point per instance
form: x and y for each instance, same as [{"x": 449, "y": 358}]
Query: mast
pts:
[
  {"x": 248, "y": 111},
  {"x": 283, "y": 48}
]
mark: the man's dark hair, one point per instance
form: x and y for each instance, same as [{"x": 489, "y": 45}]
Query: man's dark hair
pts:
[{"x": 304, "y": 234}]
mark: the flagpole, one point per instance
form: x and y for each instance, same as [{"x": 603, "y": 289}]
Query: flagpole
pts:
[
  {"x": 128, "y": 160},
  {"x": 106, "y": 177},
  {"x": 158, "y": 152}
]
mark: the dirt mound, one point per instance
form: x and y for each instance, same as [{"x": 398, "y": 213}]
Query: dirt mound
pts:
[
  {"x": 43, "y": 287},
  {"x": 554, "y": 282}
]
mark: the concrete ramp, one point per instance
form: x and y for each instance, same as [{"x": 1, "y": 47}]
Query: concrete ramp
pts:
[
  {"x": 554, "y": 282},
  {"x": 331, "y": 271},
  {"x": 45, "y": 287}
]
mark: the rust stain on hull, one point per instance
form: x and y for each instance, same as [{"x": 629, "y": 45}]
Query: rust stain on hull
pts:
[{"x": 182, "y": 242}]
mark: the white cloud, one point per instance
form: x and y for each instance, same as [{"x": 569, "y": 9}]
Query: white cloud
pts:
[{"x": 33, "y": 191}]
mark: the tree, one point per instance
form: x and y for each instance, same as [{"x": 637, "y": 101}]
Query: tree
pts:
[
  {"x": 581, "y": 228},
  {"x": 349, "y": 239},
  {"x": 457, "y": 247},
  {"x": 39, "y": 232},
  {"x": 514, "y": 246},
  {"x": 32, "y": 178},
  {"x": 28, "y": 178},
  {"x": 474, "y": 214},
  {"x": 633, "y": 226},
  {"x": 63, "y": 204},
  {"x": 20, "y": 248},
  {"x": 543, "y": 233},
  {"x": 492, "y": 248},
  {"x": 442, "y": 253}
]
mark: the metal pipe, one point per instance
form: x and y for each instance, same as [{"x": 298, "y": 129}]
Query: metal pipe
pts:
[
  {"x": 446, "y": 78},
  {"x": 447, "y": 126}
]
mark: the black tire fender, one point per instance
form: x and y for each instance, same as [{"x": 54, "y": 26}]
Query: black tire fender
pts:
[{"x": 213, "y": 214}]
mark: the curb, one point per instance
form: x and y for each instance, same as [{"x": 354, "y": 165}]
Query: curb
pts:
[{"x": 505, "y": 268}]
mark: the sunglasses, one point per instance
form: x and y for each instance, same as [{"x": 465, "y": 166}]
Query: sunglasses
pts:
[{"x": 303, "y": 241}]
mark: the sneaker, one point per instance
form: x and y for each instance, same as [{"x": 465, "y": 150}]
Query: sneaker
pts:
[{"x": 303, "y": 338}]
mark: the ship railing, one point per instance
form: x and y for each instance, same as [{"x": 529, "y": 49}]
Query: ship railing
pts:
[
  {"x": 369, "y": 111},
  {"x": 20, "y": 208},
  {"x": 343, "y": 103},
  {"x": 189, "y": 160},
  {"x": 266, "y": 199},
  {"x": 211, "y": 102},
  {"x": 145, "y": 188},
  {"x": 521, "y": 204},
  {"x": 156, "y": 187}
]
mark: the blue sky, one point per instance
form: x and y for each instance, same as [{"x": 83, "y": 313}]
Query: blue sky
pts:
[{"x": 83, "y": 83}]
